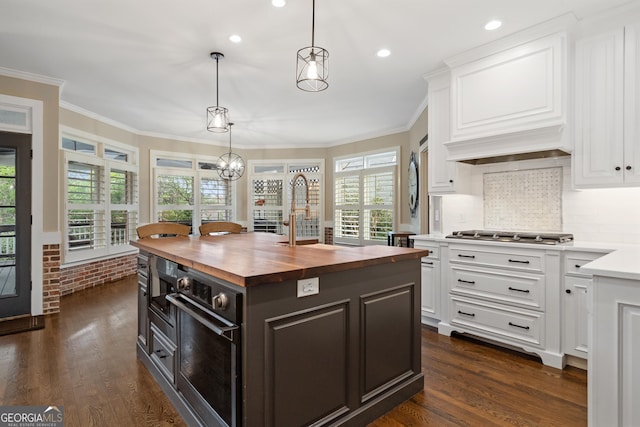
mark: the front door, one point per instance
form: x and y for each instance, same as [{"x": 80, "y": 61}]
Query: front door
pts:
[{"x": 15, "y": 224}]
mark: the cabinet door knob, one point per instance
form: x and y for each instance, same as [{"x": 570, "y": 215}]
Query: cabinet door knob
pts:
[
  {"x": 628, "y": 168},
  {"x": 451, "y": 181},
  {"x": 568, "y": 291},
  {"x": 617, "y": 168}
]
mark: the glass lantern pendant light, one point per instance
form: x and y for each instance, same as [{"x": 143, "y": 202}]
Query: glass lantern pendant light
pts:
[
  {"x": 312, "y": 67},
  {"x": 217, "y": 117},
  {"x": 230, "y": 165}
]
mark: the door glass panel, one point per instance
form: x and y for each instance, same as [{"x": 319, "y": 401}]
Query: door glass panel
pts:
[
  {"x": 267, "y": 200},
  {"x": 7, "y": 222}
]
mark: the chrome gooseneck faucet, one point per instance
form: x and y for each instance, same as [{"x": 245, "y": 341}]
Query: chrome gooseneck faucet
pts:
[{"x": 292, "y": 216}]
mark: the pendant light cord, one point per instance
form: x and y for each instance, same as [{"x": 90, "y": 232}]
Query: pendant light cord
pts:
[
  {"x": 217, "y": 73},
  {"x": 313, "y": 23}
]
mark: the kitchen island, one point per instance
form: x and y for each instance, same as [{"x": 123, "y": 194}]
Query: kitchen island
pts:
[
  {"x": 614, "y": 339},
  {"x": 326, "y": 335}
]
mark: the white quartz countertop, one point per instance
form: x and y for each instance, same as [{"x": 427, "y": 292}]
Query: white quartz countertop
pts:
[
  {"x": 623, "y": 263},
  {"x": 585, "y": 246},
  {"x": 575, "y": 246}
]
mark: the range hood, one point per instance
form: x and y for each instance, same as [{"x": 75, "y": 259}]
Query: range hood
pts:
[
  {"x": 547, "y": 154},
  {"x": 537, "y": 143}
]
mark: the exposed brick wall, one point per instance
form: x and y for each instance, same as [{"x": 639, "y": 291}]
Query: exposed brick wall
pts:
[
  {"x": 328, "y": 235},
  {"x": 51, "y": 278},
  {"x": 79, "y": 277},
  {"x": 57, "y": 281}
]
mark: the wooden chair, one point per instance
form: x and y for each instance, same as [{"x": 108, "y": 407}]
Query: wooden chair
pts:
[
  {"x": 220, "y": 226},
  {"x": 163, "y": 229}
]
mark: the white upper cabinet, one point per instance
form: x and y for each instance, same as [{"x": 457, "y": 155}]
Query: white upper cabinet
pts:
[
  {"x": 631, "y": 160},
  {"x": 511, "y": 101},
  {"x": 607, "y": 114},
  {"x": 445, "y": 177}
]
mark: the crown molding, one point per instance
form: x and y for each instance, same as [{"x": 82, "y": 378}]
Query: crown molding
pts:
[
  {"x": 90, "y": 114},
  {"x": 37, "y": 78}
]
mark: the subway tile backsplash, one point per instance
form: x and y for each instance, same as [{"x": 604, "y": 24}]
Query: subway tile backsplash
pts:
[{"x": 523, "y": 200}]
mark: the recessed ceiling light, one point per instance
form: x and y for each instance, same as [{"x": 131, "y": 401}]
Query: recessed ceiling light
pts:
[
  {"x": 493, "y": 25},
  {"x": 278, "y": 3},
  {"x": 235, "y": 38},
  {"x": 383, "y": 53}
]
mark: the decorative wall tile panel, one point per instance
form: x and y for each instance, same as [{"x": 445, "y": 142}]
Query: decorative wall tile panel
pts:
[{"x": 524, "y": 200}]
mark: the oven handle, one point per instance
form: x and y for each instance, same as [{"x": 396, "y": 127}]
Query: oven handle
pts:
[{"x": 223, "y": 329}]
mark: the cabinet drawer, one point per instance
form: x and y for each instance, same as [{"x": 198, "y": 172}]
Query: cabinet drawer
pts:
[
  {"x": 142, "y": 280},
  {"x": 498, "y": 322},
  {"x": 513, "y": 288},
  {"x": 162, "y": 353},
  {"x": 434, "y": 249},
  {"x": 573, "y": 261},
  {"x": 516, "y": 259}
]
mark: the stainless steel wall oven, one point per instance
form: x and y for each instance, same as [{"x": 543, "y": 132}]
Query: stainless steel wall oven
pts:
[{"x": 209, "y": 350}]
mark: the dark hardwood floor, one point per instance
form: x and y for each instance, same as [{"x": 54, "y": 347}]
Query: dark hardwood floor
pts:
[{"x": 84, "y": 359}]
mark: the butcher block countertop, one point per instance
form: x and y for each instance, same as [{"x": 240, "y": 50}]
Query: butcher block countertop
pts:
[{"x": 251, "y": 259}]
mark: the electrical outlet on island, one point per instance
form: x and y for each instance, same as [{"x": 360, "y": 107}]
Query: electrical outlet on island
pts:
[{"x": 308, "y": 287}]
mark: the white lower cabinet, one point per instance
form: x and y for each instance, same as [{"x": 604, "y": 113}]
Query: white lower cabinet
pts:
[
  {"x": 430, "y": 286},
  {"x": 498, "y": 321},
  {"x": 504, "y": 293},
  {"x": 430, "y": 305},
  {"x": 575, "y": 329},
  {"x": 577, "y": 286}
]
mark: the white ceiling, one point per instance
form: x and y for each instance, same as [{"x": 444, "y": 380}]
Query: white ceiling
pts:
[{"x": 145, "y": 64}]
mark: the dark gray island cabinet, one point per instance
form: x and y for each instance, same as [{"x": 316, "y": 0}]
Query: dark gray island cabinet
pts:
[{"x": 325, "y": 335}]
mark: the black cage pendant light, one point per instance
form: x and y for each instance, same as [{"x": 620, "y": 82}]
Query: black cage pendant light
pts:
[
  {"x": 230, "y": 165},
  {"x": 312, "y": 67},
  {"x": 217, "y": 116}
]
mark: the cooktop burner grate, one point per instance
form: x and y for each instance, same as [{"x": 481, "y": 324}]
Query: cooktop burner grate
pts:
[{"x": 513, "y": 236}]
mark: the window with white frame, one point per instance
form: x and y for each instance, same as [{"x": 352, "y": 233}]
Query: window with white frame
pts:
[
  {"x": 101, "y": 196},
  {"x": 188, "y": 190},
  {"x": 270, "y": 189},
  {"x": 364, "y": 197}
]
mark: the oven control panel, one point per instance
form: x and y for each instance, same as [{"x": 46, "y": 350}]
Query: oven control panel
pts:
[{"x": 208, "y": 292}]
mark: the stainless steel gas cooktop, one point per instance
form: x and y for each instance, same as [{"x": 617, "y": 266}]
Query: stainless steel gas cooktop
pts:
[{"x": 513, "y": 236}]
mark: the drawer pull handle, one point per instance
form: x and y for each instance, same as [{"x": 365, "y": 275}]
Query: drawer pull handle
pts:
[
  {"x": 526, "y": 291},
  {"x": 427, "y": 263},
  {"x": 466, "y": 256},
  {"x": 467, "y": 314},
  {"x": 578, "y": 266},
  {"x": 518, "y": 261},
  {"x": 467, "y": 281},
  {"x": 518, "y": 326}
]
